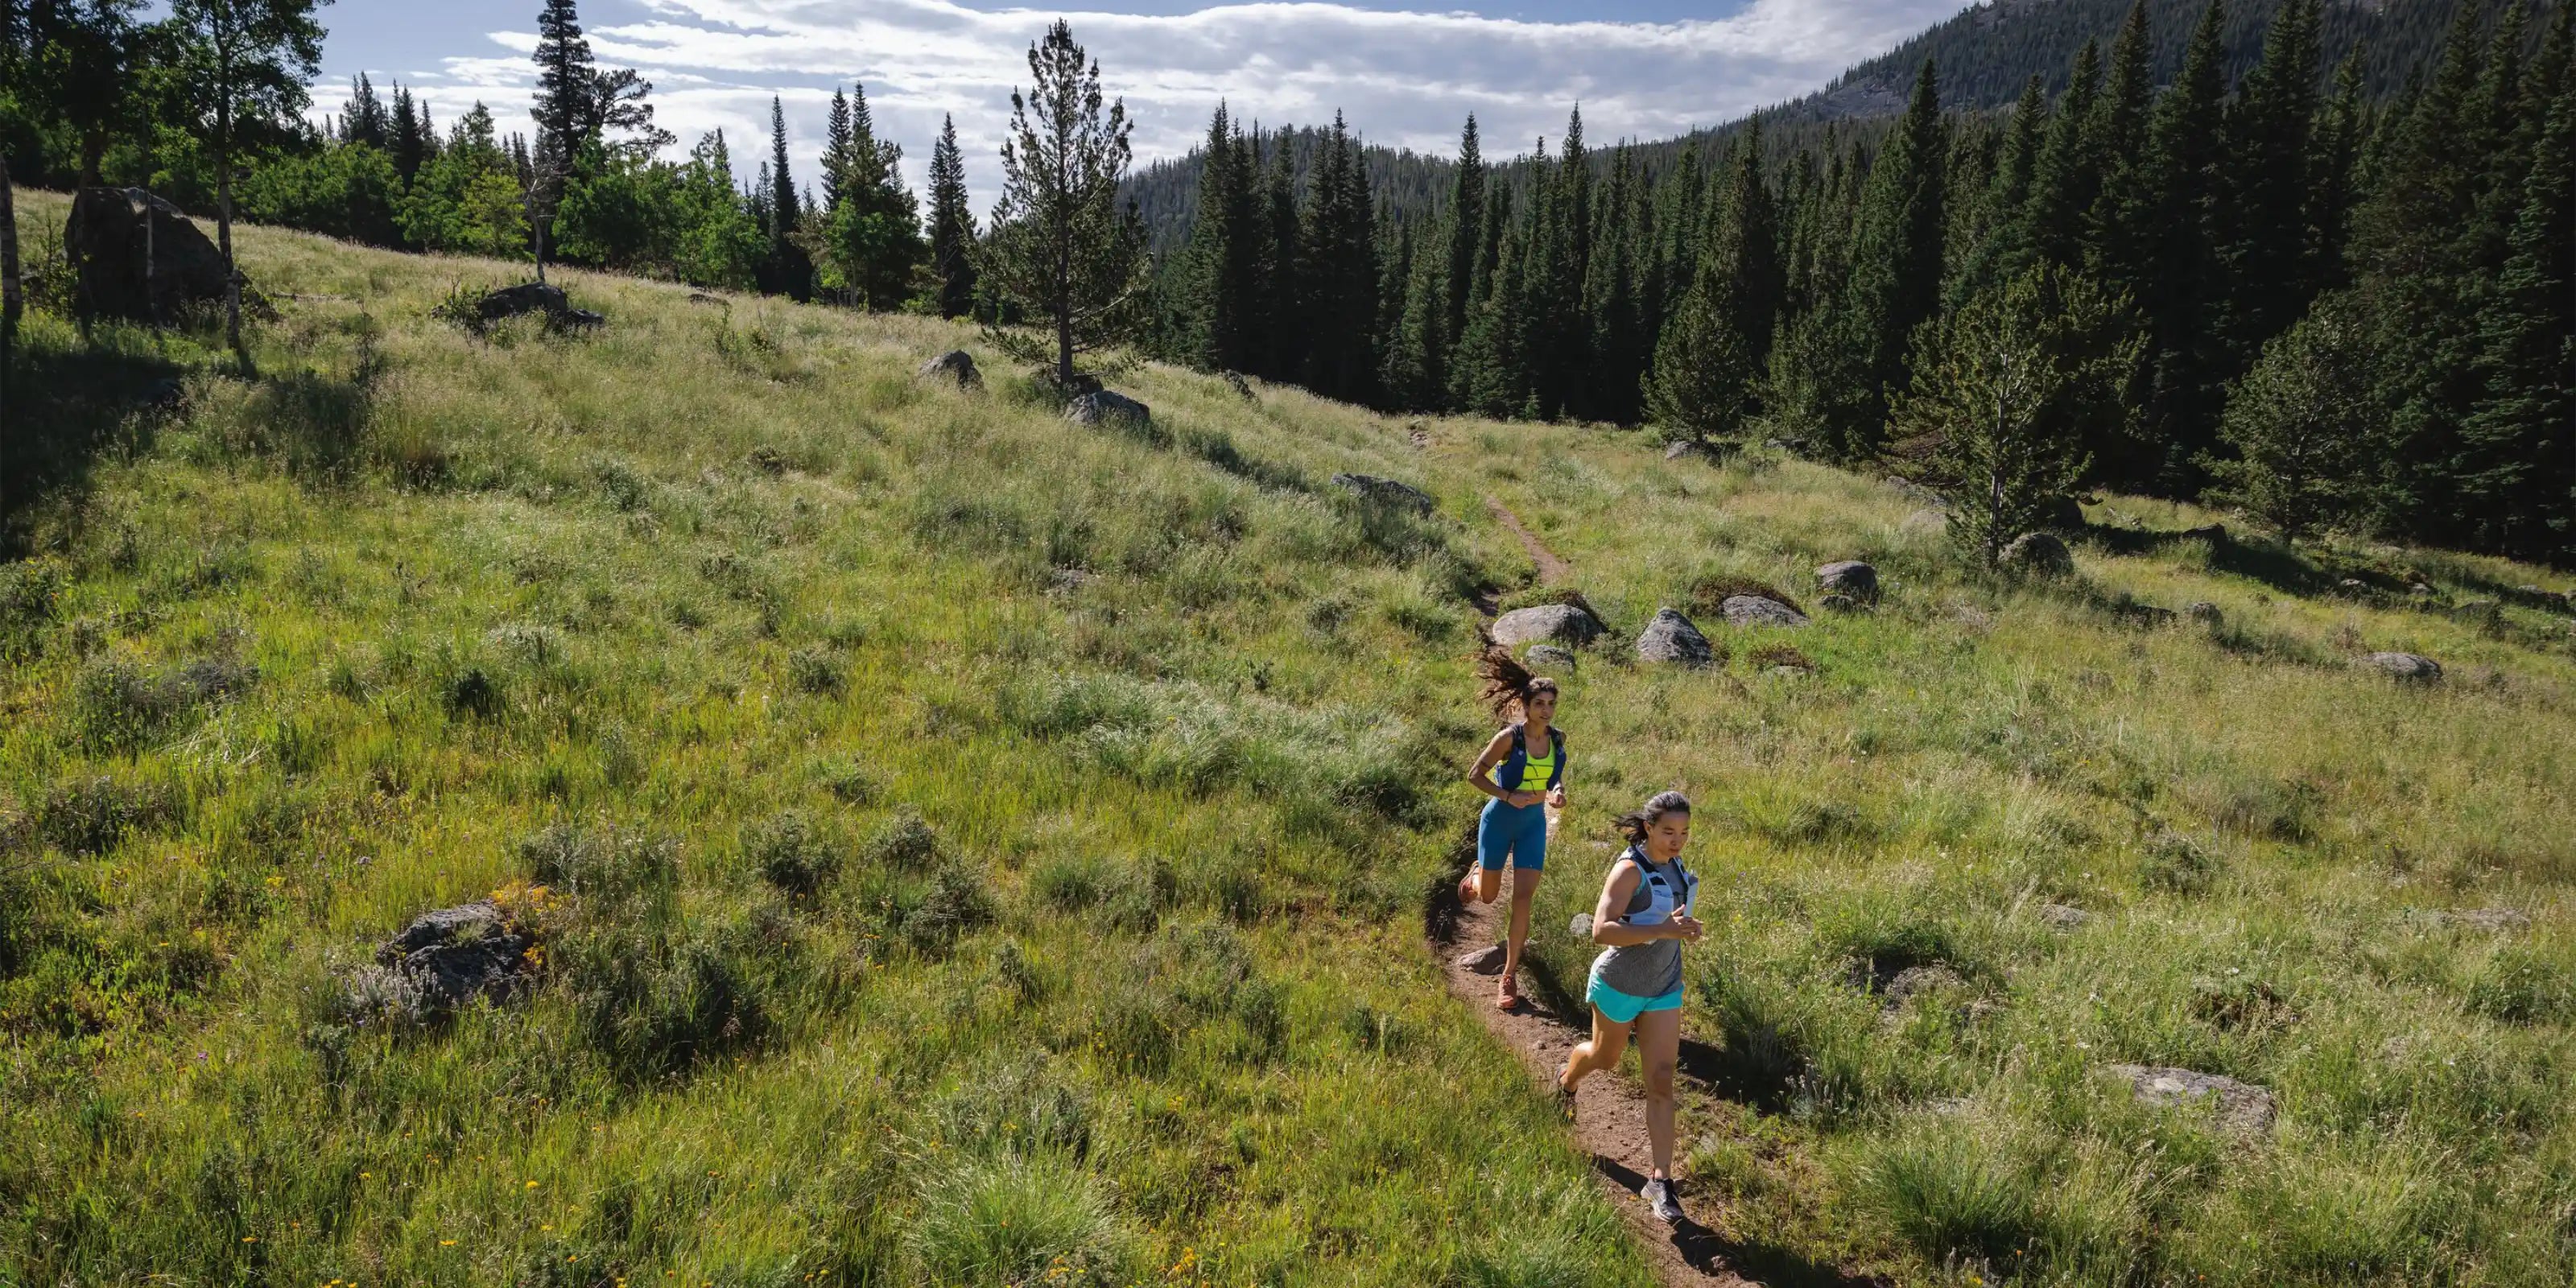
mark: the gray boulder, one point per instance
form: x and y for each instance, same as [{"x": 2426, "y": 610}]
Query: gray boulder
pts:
[
  {"x": 1387, "y": 492},
  {"x": 2205, "y": 613},
  {"x": 2412, "y": 667},
  {"x": 1485, "y": 961},
  {"x": 1839, "y": 604},
  {"x": 1672, "y": 638},
  {"x": 445, "y": 959},
  {"x": 1849, "y": 577},
  {"x": 1920, "y": 979},
  {"x": 138, "y": 256},
  {"x": 1102, "y": 406},
  {"x": 1755, "y": 610},
  {"x": 2241, "y": 1106},
  {"x": 1547, "y": 624},
  {"x": 1547, "y": 656},
  {"x": 1688, "y": 450},
  {"x": 526, "y": 297},
  {"x": 955, "y": 367},
  {"x": 2040, "y": 553}
]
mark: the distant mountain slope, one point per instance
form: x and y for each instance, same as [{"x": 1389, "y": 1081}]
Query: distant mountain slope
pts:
[{"x": 1984, "y": 55}]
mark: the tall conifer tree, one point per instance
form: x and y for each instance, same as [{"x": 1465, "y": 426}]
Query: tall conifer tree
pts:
[
  {"x": 1896, "y": 261},
  {"x": 952, "y": 225}
]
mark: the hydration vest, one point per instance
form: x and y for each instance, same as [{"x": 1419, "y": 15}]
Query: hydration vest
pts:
[
  {"x": 1515, "y": 766},
  {"x": 1659, "y": 892}
]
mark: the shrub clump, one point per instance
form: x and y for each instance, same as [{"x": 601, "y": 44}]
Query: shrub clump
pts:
[
  {"x": 791, "y": 853},
  {"x": 905, "y": 843},
  {"x": 2173, "y": 862},
  {"x": 29, "y": 595},
  {"x": 92, "y": 815},
  {"x": 1018, "y": 1218},
  {"x": 118, "y": 704},
  {"x": 814, "y": 671},
  {"x": 2521, "y": 986}
]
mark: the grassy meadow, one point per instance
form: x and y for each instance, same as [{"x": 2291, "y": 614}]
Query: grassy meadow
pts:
[{"x": 972, "y": 848}]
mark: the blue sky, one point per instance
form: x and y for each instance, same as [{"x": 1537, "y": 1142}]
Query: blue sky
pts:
[{"x": 1403, "y": 75}]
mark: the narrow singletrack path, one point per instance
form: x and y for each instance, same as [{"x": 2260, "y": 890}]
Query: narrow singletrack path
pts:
[
  {"x": 1610, "y": 1108},
  {"x": 1610, "y": 1116},
  {"x": 1552, "y": 567}
]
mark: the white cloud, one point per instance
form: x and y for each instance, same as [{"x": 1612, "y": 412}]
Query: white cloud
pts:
[{"x": 1405, "y": 79}]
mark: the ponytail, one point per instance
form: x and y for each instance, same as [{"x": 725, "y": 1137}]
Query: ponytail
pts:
[
  {"x": 1635, "y": 823},
  {"x": 1508, "y": 685}
]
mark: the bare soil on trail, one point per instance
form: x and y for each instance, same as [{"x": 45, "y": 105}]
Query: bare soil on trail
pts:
[
  {"x": 1610, "y": 1111},
  {"x": 1552, "y": 567}
]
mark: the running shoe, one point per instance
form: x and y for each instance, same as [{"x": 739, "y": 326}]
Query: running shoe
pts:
[{"x": 1658, "y": 1195}]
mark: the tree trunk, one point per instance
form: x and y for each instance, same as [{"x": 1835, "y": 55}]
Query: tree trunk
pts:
[{"x": 224, "y": 230}]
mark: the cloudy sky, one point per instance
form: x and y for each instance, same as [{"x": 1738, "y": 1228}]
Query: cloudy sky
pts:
[{"x": 1405, "y": 77}]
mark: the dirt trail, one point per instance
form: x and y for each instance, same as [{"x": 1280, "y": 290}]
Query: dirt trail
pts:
[
  {"x": 1610, "y": 1115},
  {"x": 1552, "y": 568}
]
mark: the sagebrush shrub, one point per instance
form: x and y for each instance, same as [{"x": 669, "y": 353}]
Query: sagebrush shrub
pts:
[
  {"x": 904, "y": 843},
  {"x": 791, "y": 853}
]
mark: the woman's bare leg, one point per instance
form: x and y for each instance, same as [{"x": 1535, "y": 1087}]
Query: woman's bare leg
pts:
[
  {"x": 1524, "y": 888},
  {"x": 1609, "y": 1042},
  {"x": 1659, "y": 1049}
]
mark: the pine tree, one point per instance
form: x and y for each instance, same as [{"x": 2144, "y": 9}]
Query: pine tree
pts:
[
  {"x": 1621, "y": 349},
  {"x": 1490, "y": 372},
  {"x": 2301, "y": 425},
  {"x": 1415, "y": 373},
  {"x": 2269, "y": 278},
  {"x": 565, "y": 81},
  {"x": 952, "y": 225},
  {"x": 836, "y": 148},
  {"x": 1896, "y": 263},
  {"x": 1560, "y": 250},
  {"x": 1060, "y": 248},
  {"x": 1339, "y": 272},
  {"x": 2182, "y": 297},
  {"x": 2002, "y": 392},
  {"x": 2519, "y": 476},
  {"x": 364, "y": 121},
  {"x": 1279, "y": 314},
  {"x": 2003, "y": 250},
  {"x": 1466, "y": 231},
  {"x": 1224, "y": 254},
  {"x": 1746, "y": 247},
  {"x": 788, "y": 269},
  {"x": 244, "y": 65},
  {"x": 2117, "y": 236},
  {"x": 2338, "y": 139},
  {"x": 871, "y": 237},
  {"x": 1704, "y": 365},
  {"x": 413, "y": 139},
  {"x": 2057, "y": 222}
]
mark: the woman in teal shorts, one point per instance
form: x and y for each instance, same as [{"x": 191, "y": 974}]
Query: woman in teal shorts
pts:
[
  {"x": 1642, "y": 921},
  {"x": 1523, "y": 769}
]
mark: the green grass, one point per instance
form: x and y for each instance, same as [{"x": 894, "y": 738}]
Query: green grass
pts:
[{"x": 921, "y": 911}]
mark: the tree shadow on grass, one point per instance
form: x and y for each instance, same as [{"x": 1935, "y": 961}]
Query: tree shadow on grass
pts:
[{"x": 69, "y": 406}]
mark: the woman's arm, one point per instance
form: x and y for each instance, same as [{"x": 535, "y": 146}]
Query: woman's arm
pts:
[
  {"x": 1608, "y": 930},
  {"x": 1480, "y": 775}
]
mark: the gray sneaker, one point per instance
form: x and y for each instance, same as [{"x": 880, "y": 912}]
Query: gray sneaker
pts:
[{"x": 1658, "y": 1195}]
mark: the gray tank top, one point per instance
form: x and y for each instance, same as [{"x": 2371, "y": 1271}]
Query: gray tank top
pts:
[{"x": 1653, "y": 968}]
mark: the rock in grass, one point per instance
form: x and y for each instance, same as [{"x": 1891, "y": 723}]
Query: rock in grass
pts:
[
  {"x": 2039, "y": 553},
  {"x": 1102, "y": 406},
  {"x": 2205, "y": 613},
  {"x": 1672, "y": 638},
  {"x": 2061, "y": 916},
  {"x": 1547, "y": 624},
  {"x": 446, "y": 958},
  {"x": 1839, "y": 604},
  {"x": 1580, "y": 927},
  {"x": 1757, "y": 610},
  {"x": 2413, "y": 668},
  {"x": 1920, "y": 979},
  {"x": 2242, "y": 1106},
  {"x": 1849, "y": 577},
  {"x": 1689, "y": 450},
  {"x": 1485, "y": 961},
  {"x": 139, "y": 256},
  {"x": 955, "y": 367},
  {"x": 1548, "y": 656},
  {"x": 1386, "y": 492}
]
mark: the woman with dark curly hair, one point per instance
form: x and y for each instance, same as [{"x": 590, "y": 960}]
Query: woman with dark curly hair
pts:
[
  {"x": 1642, "y": 921},
  {"x": 1523, "y": 770}
]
